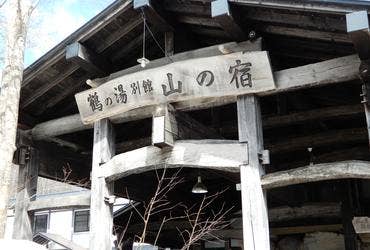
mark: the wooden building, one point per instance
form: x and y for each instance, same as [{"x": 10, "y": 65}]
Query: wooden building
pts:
[{"x": 297, "y": 148}]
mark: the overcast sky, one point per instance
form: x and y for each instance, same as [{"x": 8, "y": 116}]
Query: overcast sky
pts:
[{"x": 54, "y": 20}]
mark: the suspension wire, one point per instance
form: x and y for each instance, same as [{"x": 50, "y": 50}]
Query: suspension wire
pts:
[
  {"x": 155, "y": 40},
  {"x": 144, "y": 33}
]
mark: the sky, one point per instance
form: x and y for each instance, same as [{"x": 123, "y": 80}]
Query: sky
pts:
[{"x": 53, "y": 20}]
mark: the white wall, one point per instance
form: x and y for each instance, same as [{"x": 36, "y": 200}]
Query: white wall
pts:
[{"x": 9, "y": 225}]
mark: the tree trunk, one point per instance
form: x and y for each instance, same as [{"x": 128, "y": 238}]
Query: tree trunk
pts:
[{"x": 18, "y": 16}]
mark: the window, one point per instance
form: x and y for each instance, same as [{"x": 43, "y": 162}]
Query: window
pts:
[
  {"x": 40, "y": 223},
  {"x": 81, "y": 221}
]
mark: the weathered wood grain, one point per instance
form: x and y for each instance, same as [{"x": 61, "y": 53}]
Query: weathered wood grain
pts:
[
  {"x": 333, "y": 7},
  {"x": 306, "y": 211},
  {"x": 86, "y": 59},
  {"x": 314, "y": 75},
  {"x": 60, "y": 202},
  {"x": 170, "y": 125},
  {"x": 314, "y": 210},
  {"x": 221, "y": 12},
  {"x": 193, "y": 79},
  {"x": 361, "y": 225},
  {"x": 213, "y": 154},
  {"x": 254, "y": 205},
  {"x": 101, "y": 212},
  {"x": 317, "y": 172},
  {"x": 27, "y": 188},
  {"x": 165, "y": 127}
]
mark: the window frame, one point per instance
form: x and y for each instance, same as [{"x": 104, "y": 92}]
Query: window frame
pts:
[
  {"x": 47, "y": 222},
  {"x": 74, "y": 220}
]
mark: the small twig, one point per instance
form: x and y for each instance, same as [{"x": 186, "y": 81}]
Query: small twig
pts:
[
  {"x": 2, "y": 3},
  {"x": 124, "y": 230}
]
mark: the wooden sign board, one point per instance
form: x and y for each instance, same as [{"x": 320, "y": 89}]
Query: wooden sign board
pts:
[
  {"x": 361, "y": 224},
  {"x": 218, "y": 76}
]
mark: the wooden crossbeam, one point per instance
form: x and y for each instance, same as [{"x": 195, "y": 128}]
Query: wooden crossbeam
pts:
[
  {"x": 304, "y": 33},
  {"x": 307, "y": 6},
  {"x": 86, "y": 59},
  {"x": 302, "y": 117},
  {"x": 317, "y": 172},
  {"x": 223, "y": 155},
  {"x": 237, "y": 233},
  {"x": 118, "y": 34},
  {"x": 319, "y": 74},
  {"x": 152, "y": 15},
  {"x": 221, "y": 12},
  {"x": 341, "y": 136},
  {"x": 314, "y": 210},
  {"x": 287, "y": 213},
  {"x": 306, "y": 229},
  {"x": 61, "y": 202}
]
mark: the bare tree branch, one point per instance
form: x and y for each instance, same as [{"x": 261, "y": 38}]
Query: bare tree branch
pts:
[
  {"x": 2, "y": 3},
  {"x": 202, "y": 229}
]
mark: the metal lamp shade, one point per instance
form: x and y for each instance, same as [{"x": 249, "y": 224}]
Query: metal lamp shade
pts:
[{"x": 199, "y": 187}]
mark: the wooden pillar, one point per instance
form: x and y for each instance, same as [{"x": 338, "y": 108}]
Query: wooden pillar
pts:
[
  {"x": 26, "y": 192},
  {"x": 359, "y": 31},
  {"x": 164, "y": 129},
  {"x": 254, "y": 207},
  {"x": 101, "y": 210},
  {"x": 350, "y": 236},
  {"x": 169, "y": 43}
]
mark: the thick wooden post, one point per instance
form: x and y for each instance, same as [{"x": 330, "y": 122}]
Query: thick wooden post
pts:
[
  {"x": 101, "y": 211},
  {"x": 26, "y": 192},
  {"x": 254, "y": 207},
  {"x": 169, "y": 45},
  {"x": 350, "y": 237},
  {"x": 359, "y": 32}
]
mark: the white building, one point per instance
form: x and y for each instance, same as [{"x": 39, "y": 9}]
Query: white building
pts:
[{"x": 71, "y": 223}]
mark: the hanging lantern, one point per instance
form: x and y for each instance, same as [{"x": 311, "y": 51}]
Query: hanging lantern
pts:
[{"x": 199, "y": 187}]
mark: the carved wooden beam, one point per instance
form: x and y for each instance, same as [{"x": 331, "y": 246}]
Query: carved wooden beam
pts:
[
  {"x": 222, "y": 13},
  {"x": 224, "y": 155}
]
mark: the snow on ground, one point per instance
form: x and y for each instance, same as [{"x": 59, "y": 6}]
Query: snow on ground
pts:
[{"x": 19, "y": 245}]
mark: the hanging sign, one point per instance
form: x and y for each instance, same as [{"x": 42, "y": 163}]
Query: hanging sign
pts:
[{"x": 218, "y": 76}]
